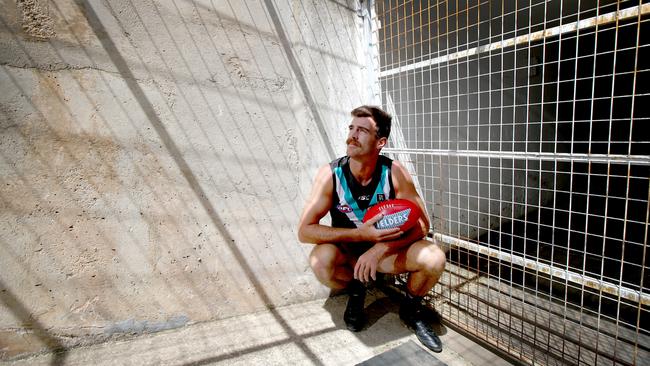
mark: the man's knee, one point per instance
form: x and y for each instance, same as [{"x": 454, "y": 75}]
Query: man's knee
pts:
[
  {"x": 432, "y": 259},
  {"x": 322, "y": 260}
]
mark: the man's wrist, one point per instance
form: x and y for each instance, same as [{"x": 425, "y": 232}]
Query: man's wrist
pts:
[
  {"x": 381, "y": 247},
  {"x": 359, "y": 236}
]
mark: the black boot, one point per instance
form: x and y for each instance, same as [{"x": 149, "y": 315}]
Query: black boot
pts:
[
  {"x": 354, "y": 316},
  {"x": 412, "y": 313}
]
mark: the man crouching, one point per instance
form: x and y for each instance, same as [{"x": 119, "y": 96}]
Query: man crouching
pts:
[{"x": 350, "y": 253}]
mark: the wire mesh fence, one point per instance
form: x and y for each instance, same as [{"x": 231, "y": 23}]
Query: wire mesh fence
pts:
[{"x": 524, "y": 123}]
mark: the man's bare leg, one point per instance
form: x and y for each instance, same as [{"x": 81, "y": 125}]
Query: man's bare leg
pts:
[
  {"x": 423, "y": 260},
  {"x": 429, "y": 260},
  {"x": 425, "y": 263},
  {"x": 335, "y": 270},
  {"x": 331, "y": 266}
]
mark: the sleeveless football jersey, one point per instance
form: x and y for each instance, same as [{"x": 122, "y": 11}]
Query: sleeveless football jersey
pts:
[{"x": 351, "y": 200}]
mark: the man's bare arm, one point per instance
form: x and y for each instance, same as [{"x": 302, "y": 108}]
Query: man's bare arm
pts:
[{"x": 311, "y": 231}]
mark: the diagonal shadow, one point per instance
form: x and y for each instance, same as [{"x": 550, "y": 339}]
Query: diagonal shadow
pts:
[
  {"x": 240, "y": 353},
  {"x": 129, "y": 78},
  {"x": 59, "y": 351},
  {"x": 42, "y": 159},
  {"x": 311, "y": 103}
]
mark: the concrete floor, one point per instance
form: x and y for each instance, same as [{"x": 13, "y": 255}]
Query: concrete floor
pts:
[{"x": 310, "y": 333}]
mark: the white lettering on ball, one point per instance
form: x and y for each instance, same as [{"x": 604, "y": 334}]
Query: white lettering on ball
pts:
[{"x": 393, "y": 220}]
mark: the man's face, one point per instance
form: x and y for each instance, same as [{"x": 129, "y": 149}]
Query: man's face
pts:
[{"x": 362, "y": 137}]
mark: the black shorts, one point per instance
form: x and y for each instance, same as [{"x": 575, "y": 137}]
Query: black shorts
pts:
[{"x": 354, "y": 249}]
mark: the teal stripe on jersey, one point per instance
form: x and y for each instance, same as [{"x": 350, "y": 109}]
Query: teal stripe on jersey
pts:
[{"x": 348, "y": 195}]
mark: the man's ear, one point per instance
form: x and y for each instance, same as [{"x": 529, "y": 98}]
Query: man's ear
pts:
[{"x": 382, "y": 142}]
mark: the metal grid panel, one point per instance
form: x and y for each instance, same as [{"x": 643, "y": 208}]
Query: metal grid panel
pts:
[{"x": 525, "y": 124}]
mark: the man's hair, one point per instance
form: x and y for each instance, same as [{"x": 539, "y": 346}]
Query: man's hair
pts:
[{"x": 382, "y": 119}]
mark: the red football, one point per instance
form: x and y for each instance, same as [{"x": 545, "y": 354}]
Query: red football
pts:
[{"x": 397, "y": 213}]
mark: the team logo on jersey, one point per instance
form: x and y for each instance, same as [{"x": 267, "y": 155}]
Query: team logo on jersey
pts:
[
  {"x": 364, "y": 197},
  {"x": 381, "y": 197},
  {"x": 344, "y": 208}
]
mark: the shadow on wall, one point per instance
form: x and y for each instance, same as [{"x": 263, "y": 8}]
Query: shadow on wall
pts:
[
  {"x": 173, "y": 150},
  {"x": 35, "y": 330},
  {"x": 131, "y": 135}
]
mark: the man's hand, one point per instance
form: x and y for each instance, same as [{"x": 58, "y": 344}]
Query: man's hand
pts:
[
  {"x": 366, "y": 266},
  {"x": 371, "y": 234}
]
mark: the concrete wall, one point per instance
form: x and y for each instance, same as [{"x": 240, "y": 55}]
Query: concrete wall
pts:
[{"x": 155, "y": 157}]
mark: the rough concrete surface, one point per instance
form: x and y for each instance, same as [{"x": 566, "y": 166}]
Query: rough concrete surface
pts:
[
  {"x": 311, "y": 333},
  {"x": 35, "y": 19},
  {"x": 155, "y": 156}
]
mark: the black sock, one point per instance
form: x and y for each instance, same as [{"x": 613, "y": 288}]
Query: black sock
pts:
[
  {"x": 412, "y": 301},
  {"x": 356, "y": 287}
]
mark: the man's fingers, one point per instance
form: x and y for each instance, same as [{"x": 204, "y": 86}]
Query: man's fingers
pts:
[
  {"x": 390, "y": 234},
  {"x": 386, "y": 234},
  {"x": 366, "y": 274},
  {"x": 360, "y": 272},
  {"x": 374, "y": 219},
  {"x": 356, "y": 270}
]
